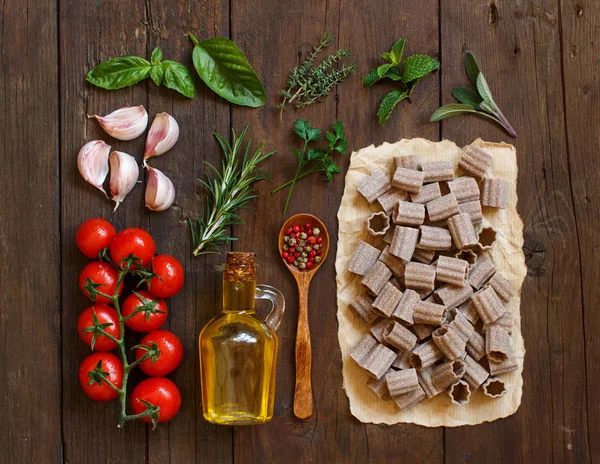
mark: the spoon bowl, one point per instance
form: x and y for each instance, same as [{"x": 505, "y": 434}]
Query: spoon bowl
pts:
[{"x": 300, "y": 219}]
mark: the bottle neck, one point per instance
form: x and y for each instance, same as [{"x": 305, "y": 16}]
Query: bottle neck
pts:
[{"x": 239, "y": 296}]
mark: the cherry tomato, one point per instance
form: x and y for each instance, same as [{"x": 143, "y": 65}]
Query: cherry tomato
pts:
[
  {"x": 93, "y": 236},
  {"x": 114, "y": 369},
  {"x": 170, "y": 272},
  {"x": 132, "y": 241},
  {"x": 100, "y": 273},
  {"x": 160, "y": 392},
  {"x": 140, "y": 322},
  {"x": 105, "y": 315},
  {"x": 171, "y": 353}
]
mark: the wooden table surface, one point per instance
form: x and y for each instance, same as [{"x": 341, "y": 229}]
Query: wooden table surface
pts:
[{"x": 542, "y": 61}]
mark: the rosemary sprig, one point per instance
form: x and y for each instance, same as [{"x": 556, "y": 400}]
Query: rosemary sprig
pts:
[
  {"x": 229, "y": 191},
  {"x": 307, "y": 83}
]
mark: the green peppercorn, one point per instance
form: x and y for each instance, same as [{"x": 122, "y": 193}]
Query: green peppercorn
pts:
[
  {"x": 303, "y": 235},
  {"x": 304, "y": 254},
  {"x": 316, "y": 247},
  {"x": 292, "y": 241},
  {"x": 286, "y": 239},
  {"x": 316, "y": 232},
  {"x": 302, "y": 242},
  {"x": 308, "y": 248},
  {"x": 286, "y": 248},
  {"x": 296, "y": 263},
  {"x": 317, "y": 259},
  {"x": 302, "y": 266},
  {"x": 300, "y": 249}
]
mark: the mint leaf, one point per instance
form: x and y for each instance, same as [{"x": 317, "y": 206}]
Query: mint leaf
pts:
[
  {"x": 397, "y": 51},
  {"x": 467, "y": 96},
  {"x": 383, "y": 69},
  {"x": 448, "y": 111},
  {"x": 303, "y": 129},
  {"x": 388, "y": 104},
  {"x": 371, "y": 78},
  {"x": 472, "y": 68},
  {"x": 393, "y": 74},
  {"x": 418, "y": 66},
  {"x": 157, "y": 56},
  {"x": 386, "y": 56}
]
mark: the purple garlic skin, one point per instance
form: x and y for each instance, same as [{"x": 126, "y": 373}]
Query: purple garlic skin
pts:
[
  {"x": 124, "y": 173},
  {"x": 125, "y": 123},
  {"x": 92, "y": 162},
  {"x": 160, "y": 191},
  {"x": 163, "y": 134}
]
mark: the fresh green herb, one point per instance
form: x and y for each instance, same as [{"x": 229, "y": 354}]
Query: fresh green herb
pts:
[
  {"x": 229, "y": 191},
  {"x": 311, "y": 160},
  {"x": 479, "y": 102},
  {"x": 224, "y": 68},
  {"x": 408, "y": 73},
  {"x": 308, "y": 82},
  {"x": 124, "y": 71}
]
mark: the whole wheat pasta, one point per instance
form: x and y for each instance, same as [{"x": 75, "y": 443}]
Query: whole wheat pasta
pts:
[
  {"x": 498, "y": 368},
  {"x": 451, "y": 270},
  {"x": 436, "y": 171},
  {"x": 447, "y": 374},
  {"x": 419, "y": 276},
  {"x": 476, "y": 346},
  {"x": 465, "y": 189},
  {"x": 434, "y": 238},
  {"x": 402, "y": 361},
  {"x": 429, "y": 313},
  {"x": 408, "y": 214},
  {"x": 428, "y": 193},
  {"x": 505, "y": 321},
  {"x": 374, "y": 186},
  {"x": 387, "y": 300},
  {"x": 495, "y": 192},
  {"x": 469, "y": 310},
  {"x": 362, "y": 307},
  {"x": 502, "y": 287},
  {"x": 475, "y": 373},
  {"x": 404, "y": 242},
  {"x": 408, "y": 162},
  {"x": 401, "y": 382},
  {"x": 481, "y": 272},
  {"x": 379, "y": 386},
  {"x": 460, "y": 324},
  {"x": 387, "y": 238},
  {"x": 442, "y": 208},
  {"x": 399, "y": 336},
  {"x": 395, "y": 264},
  {"x": 449, "y": 342},
  {"x": 494, "y": 388},
  {"x": 424, "y": 355},
  {"x": 426, "y": 383},
  {"x": 460, "y": 392},
  {"x": 473, "y": 209},
  {"x": 423, "y": 256},
  {"x": 395, "y": 281},
  {"x": 410, "y": 399},
  {"x": 376, "y": 278},
  {"x": 475, "y": 161},
  {"x": 422, "y": 331},
  {"x": 378, "y": 328},
  {"x": 361, "y": 350},
  {"x": 453, "y": 296},
  {"x": 363, "y": 258},
  {"x": 487, "y": 237},
  {"x": 388, "y": 200},
  {"x": 405, "y": 308},
  {"x": 467, "y": 255},
  {"x": 498, "y": 345},
  {"x": 462, "y": 230},
  {"x": 378, "y": 361},
  {"x": 408, "y": 179},
  {"x": 488, "y": 305},
  {"x": 378, "y": 224}
]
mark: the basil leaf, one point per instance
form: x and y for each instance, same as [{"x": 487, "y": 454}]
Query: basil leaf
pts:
[
  {"x": 119, "y": 72},
  {"x": 467, "y": 96},
  {"x": 388, "y": 104},
  {"x": 157, "y": 56},
  {"x": 448, "y": 111},
  {"x": 157, "y": 73},
  {"x": 472, "y": 68},
  {"x": 224, "y": 68},
  {"x": 179, "y": 78},
  {"x": 484, "y": 90},
  {"x": 418, "y": 66}
]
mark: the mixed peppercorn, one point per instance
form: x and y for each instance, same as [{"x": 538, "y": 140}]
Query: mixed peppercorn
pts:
[{"x": 302, "y": 246}]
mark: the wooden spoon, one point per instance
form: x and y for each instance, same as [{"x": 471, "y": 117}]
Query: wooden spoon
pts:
[{"x": 303, "y": 400}]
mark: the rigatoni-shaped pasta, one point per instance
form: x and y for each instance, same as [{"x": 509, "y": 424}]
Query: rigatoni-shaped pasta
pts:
[
  {"x": 378, "y": 361},
  {"x": 442, "y": 208},
  {"x": 473, "y": 209},
  {"x": 462, "y": 230},
  {"x": 426, "y": 383},
  {"x": 453, "y": 296},
  {"x": 387, "y": 300},
  {"x": 378, "y": 224},
  {"x": 498, "y": 345},
  {"x": 476, "y": 346},
  {"x": 424, "y": 355},
  {"x": 401, "y": 382},
  {"x": 387, "y": 238},
  {"x": 423, "y": 256},
  {"x": 447, "y": 374},
  {"x": 469, "y": 310},
  {"x": 428, "y": 193},
  {"x": 395, "y": 264},
  {"x": 505, "y": 321},
  {"x": 361, "y": 350},
  {"x": 404, "y": 242},
  {"x": 504, "y": 367},
  {"x": 399, "y": 336},
  {"x": 374, "y": 186},
  {"x": 408, "y": 214},
  {"x": 481, "y": 272},
  {"x": 451, "y": 270},
  {"x": 408, "y": 179},
  {"x": 408, "y": 162},
  {"x": 465, "y": 189},
  {"x": 378, "y": 328},
  {"x": 449, "y": 341},
  {"x": 488, "y": 305},
  {"x": 475, "y": 161},
  {"x": 376, "y": 278},
  {"x": 405, "y": 309},
  {"x": 363, "y": 258},
  {"x": 402, "y": 361},
  {"x": 475, "y": 373},
  {"x": 362, "y": 307},
  {"x": 429, "y": 313},
  {"x": 388, "y": 200},
  {"x": 502, "y": 287},
  {"x": 461, "y": 325},
  {"x": 434, "y": 238},
  {"x": 495, "y": 192},
  {"x": 419, "y": 276},
  {"x": 422, "y": 331},
  {"x": 410, "y": 399},
  {"x": 379, "y": 386},
  {"x": 436, "y": 171},
  {"x": 494, "y": 388},
  {"x": 460, "y": 392}
]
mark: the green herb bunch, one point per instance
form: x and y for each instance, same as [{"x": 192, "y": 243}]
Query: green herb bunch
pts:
[
  {"x": 229, "y": 191},
  {"x": 308, "y": 82},
  {"x": 312, "y": 160},
  {"x": 407, "y": 73},
  {"x": 479, "y": 102}
]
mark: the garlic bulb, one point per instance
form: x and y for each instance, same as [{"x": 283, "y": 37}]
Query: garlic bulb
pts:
[
  {"x": 163, "y": 134},
  {"x": 124, "y": 173},
  {"x": 160, "y": 191},
  {"x": 92, "y": 162},
  {"x": 125, "y": 123}
]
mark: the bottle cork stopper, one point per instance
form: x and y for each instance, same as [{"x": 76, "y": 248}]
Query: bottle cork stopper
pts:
[{"x": 240, "y": 266}]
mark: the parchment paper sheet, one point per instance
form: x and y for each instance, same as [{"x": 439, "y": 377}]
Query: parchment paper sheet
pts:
[{"x": 506, "y": 253}]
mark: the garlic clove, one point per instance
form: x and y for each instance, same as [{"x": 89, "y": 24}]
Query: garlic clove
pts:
[
  {"x": 163, "y": 134},
  {"x": 124, "y": 173},
  {"x": 125, "y": 123},
  {"x": 92, "y": 162},
  {"x": 160, "y": 191}
]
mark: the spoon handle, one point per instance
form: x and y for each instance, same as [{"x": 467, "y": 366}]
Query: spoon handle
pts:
[{"x": 303, "y": 400}]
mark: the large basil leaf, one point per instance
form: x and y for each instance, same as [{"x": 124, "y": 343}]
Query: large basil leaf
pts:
[
  {"x": 179, "y": 78},
  {"x": 224, "y": 68},
  {"x": 119, "y": 72}
]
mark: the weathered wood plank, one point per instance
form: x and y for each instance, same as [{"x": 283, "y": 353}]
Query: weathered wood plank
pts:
[
  {"x": 518, "y": 46},
  {"x": 29, "y": 234}
]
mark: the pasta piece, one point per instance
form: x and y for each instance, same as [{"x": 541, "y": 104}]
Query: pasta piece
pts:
[
  {"x": 475, "y": 161},
  {"x": 387, "y": 300},
  {"x": 401, "y": 382},
  {"x": 362, "y": 307},
  {"x": 379, "y": 386},
  {"x": 410, "y": 399},
  {"x": 449, "y": 342},
  {"x": 451, "y": 270},
  {"x": 361, "y": 350},
  {"x": 378, "y": 361},
  {"x": 423, "y": 256},
  {"x": 494, "y": 388},
  {"x": 466, "y": 255},
  {"x": 498, "y": 345},
  {"x": 473, "y": 209},
  {"x": 429, "y": 313},
  {"x": 395, "y": 281},
  {"x": 378, "y": 329},
  {"x": 395, "y": 264},
  {"x": 408, "y": 179},
  {"x": 422, "y": 331},
  {"x": 399, "y": 336},
  {"x": 462, "y": 231},
  {"x": 434, "y": 238},
  {"x": 487, "y": 237},
  {"x": 475, "y": 373},
  {"x": 404, "y": 311},
  {"x": 488, "y": 305},
  {"x": 428, "y": 193},
  {"x": 460, "y": 392},
  {"x": 402, "y": 361},
  {"x": 498, "y": 368},
  {"x": 505, "y": 321},
  {"x": 376, "y": 278},
  {"x": 447, "y": 374},
  {"x": 388, "y": 200},
  {"x": 465, "y": 189},
  {"x": 502, "y": 287},
  {"x": 424, "y": 355},
  {"x": 436, "y": 171},
  {"x": 408, "y": 162},
  {"x": 363, "y": 258},
  {"x": 460, "y": 324},
  {"x": 419, "y": 276},
  {"x": 453, "y": 296},
  {"x": 481, "y": 272},
  {"x": 442, "y": 208},
  {"x": 387, "y": 238},
  {"x": 495, "y": 192},
  {"x": 408, "y": 214},
  {"x": 374, "y": 186},
  {"x": 378, "y": 224},
  {"x": 476, "y": 346},
  {"x": 469, "y": 310},
  {"x": 404, "y": 242}
]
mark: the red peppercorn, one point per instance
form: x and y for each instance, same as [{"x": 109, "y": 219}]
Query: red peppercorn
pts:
[
  {"x": 309, "y": 232},
  {"x": 308, "y": 226},
  {"x": 311, "y": 240},
  {"x": 284, "y": 255},
  {"x": 318, "y": 252},
  {"x": 320, "y": 240},
  {"x": 296, "y": 254},
  {"x": 309, "y": 265},
  {"x": 293, "y": 235},
  {"x": 289, "y": 230},
  {"x": 290, "y": 259},
  {"x": 296, "y": 229},
  {"x": 311, "y": 254}
]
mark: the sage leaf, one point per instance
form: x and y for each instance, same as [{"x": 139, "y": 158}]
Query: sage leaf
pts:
[
  {"x": 156, "y": 74},
  {"x": 388, "y": 104},
  {"x": 397, "y": 51},
  {"x": 224, "y": 68},
  {"x": 178, "y": 77},
  {"x": 485, "y": 106},
  {"x": 118, "y": 73},
  {"x": 448, "y": 111},
  {"x": 418, "y": 66},
  {"x": 157, "y": 56},
  {"x": 467, "y": 96},
  {"x": 472, "y": 68},
  {"x": 484, "y": 90}
]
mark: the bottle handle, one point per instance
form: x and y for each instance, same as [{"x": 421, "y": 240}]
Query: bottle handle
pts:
[{"x": 266, "y": 292}]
